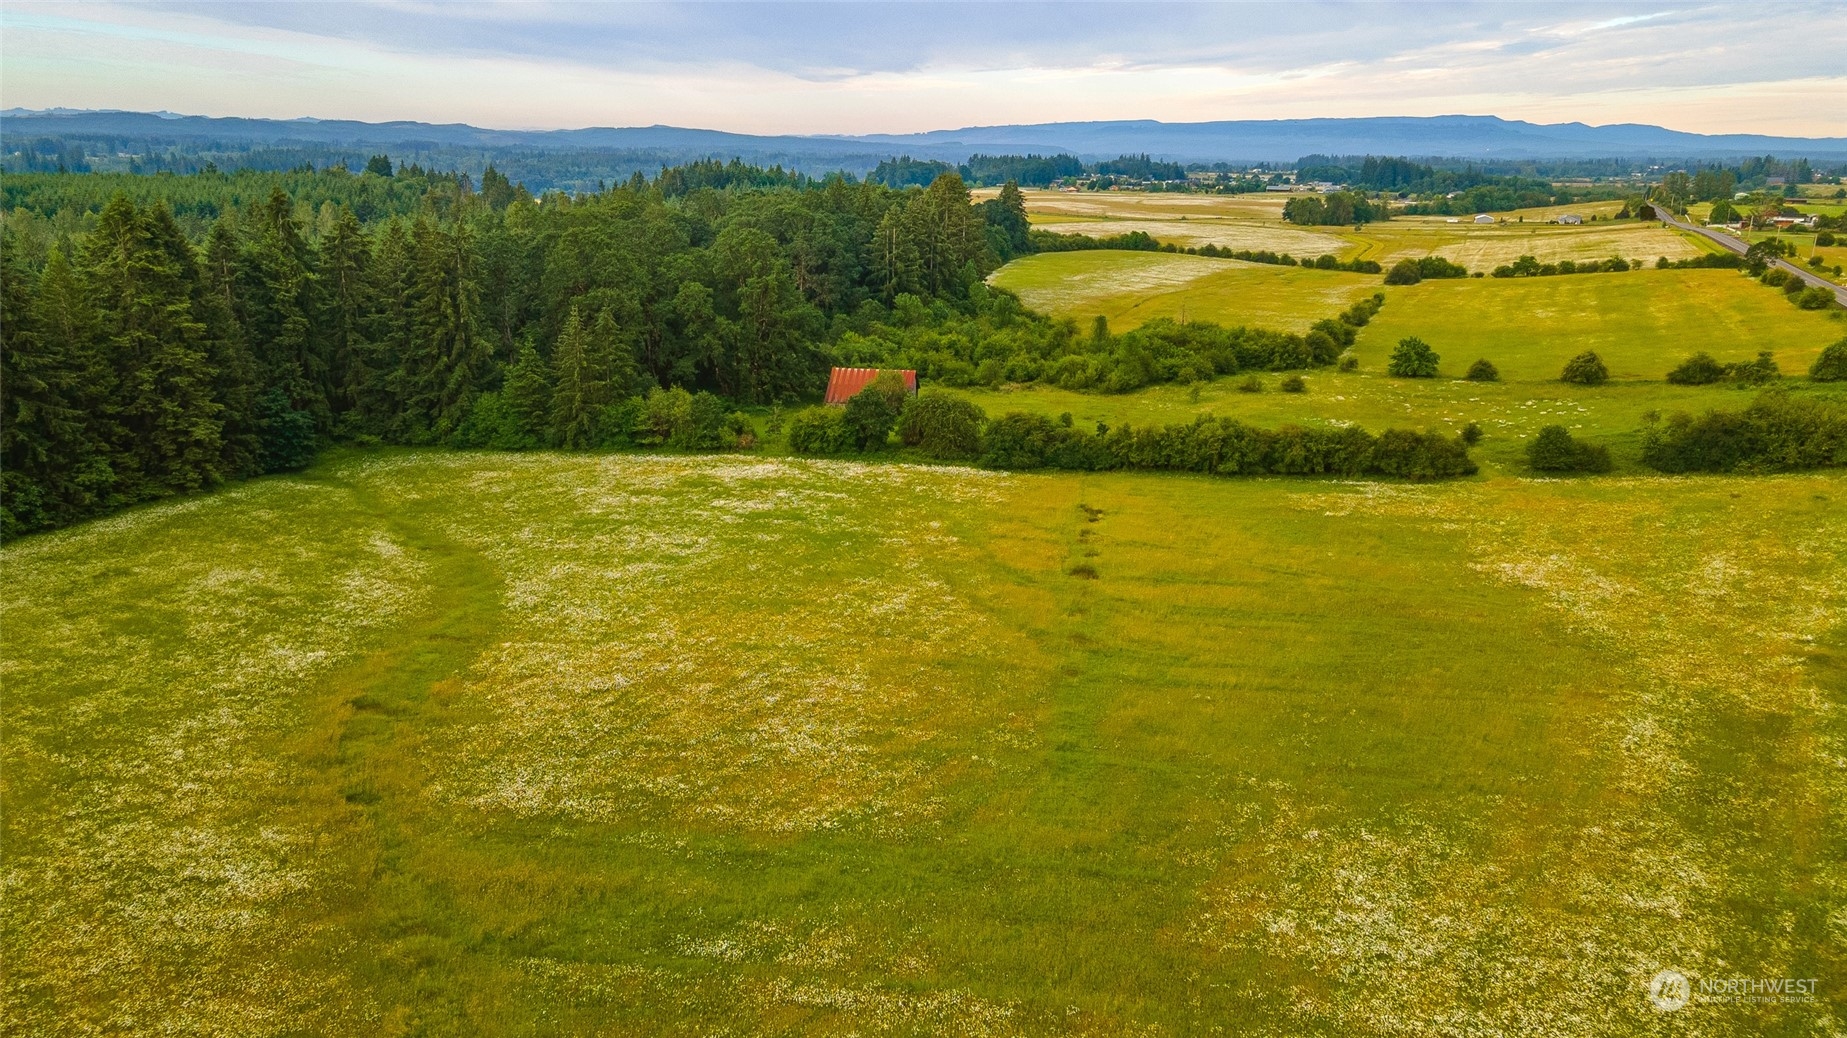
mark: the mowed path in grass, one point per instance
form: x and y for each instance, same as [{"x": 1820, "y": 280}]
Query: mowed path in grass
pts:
[
  {"x": 543, "y": 744},
  {"x": 1133, "y": 288}
]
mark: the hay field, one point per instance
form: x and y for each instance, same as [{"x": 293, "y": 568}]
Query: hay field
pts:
[
  {"x": 1256, "y": 222},
  {"x": 496, "y": 744},
  {"x": 1132, "y": 288}
]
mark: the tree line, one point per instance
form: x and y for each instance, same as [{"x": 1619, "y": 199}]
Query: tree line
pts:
[{"x": 141, "y": 360}]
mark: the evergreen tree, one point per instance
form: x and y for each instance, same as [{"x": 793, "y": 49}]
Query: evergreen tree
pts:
[
  {"x": 234, "y": 369},
  {"x": 139, "y": 287},
  {"x": 446, "y": 359},
  {"x": 346, "y": 262},
  {"x": 581, "y": 386},
  {"x": 528, "y": 396},
  {"x": 43, "y": 439}
]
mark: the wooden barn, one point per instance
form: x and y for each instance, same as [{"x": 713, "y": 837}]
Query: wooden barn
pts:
[{"x": 843, "y": 383}]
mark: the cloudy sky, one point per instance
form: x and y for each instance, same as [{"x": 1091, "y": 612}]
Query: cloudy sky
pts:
[{"x": 892, "y": 68}]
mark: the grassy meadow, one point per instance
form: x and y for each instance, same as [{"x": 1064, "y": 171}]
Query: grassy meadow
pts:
[
  {"x": 1133, "y": 288},
  {"x": 435, "y": 743}
]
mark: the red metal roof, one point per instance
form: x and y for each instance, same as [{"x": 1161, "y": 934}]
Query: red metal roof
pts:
[{"x": 844, "y": 383}]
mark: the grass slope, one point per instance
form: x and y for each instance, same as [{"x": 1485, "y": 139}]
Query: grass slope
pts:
[{"x": 444, "y": 743}]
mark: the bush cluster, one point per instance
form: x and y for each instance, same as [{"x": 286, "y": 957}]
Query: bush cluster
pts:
[
  {"x": 1483, "y": 371},
  {"x": 1224, "y": 446},
  {"x": 1554, "y": 450},
  {"x": 1831, "y": 366},
  {"x": 1586, "y": 369},
  {"x": 944, "y": 427},
  {"x": 1412, "y": 271},
  {"x": 1413, "y": 358},
  {"x": 1529, "y": 267},
  {"x": 1702, "y": 370},
  {"x": 1776, "y": 433}
]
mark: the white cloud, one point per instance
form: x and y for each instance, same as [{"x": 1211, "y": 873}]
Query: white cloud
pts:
[{"x": 840, "y": 68}]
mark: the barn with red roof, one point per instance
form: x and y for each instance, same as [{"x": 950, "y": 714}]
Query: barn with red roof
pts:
[{"x": 844, "y": 383}]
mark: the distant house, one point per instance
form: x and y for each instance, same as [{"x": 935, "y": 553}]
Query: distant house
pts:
[
  {"x": 1571, "y": 218},
  {"x": 844, "y": 383},
  {"x": 1483, "y": 218}
]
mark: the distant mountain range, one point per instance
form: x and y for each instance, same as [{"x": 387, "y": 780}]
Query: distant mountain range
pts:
[{"x": 1265, "y": 140}]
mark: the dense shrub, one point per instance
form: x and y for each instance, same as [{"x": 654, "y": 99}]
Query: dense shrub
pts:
[
  {"x": 1831, "y": 366},
  {"x": 1815, "y": 298},
  {"x": 1586, "y": 369},
  {"x": 1413, "y": 358},
  {"x": 1251, "y": 384},
  {"x": 1349, "y": 363},
  {"x": 871, "y": 412},
  {"x": 1554, "y": 450},
  {"x": 1754, "y": 372},
  {"x": 1412, "y": 271},
  {"x": 1530, "y": 267},
  {"x": 942, "y": 426},
  {"x": 1825, "y": 239},
  {"x": 820, "y": 430},
  {"x": 1224, "y": 446},
  {"x": 1698, "y": 370},
  {"x": 1775, "y": 433},
  {"x": 1483, "y": 371},
  {"x": 1293, "y": 384},
  {"x": 1471, "y": 434}
]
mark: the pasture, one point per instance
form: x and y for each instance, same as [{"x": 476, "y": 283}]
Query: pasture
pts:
[
  {"x": 1133, "y": 288},
  {"x": 545, "y": 744},
  {"x": 1642, "y": 323}
]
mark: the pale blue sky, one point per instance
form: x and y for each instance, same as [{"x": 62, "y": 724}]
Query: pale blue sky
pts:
[{"x": 864, "y": 68}]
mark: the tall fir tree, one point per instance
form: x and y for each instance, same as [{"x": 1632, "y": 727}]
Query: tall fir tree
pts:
[
  {"x": 447, "y": 359},
  {"x": 580, "y": 385},
  {"x": 139, "y": 287}
]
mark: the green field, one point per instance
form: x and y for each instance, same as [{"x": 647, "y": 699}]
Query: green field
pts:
[
  {"x": 1133, "y": 288},
  {"x": 1642, "y": 323},
  {"x": 439, "y": 743}
]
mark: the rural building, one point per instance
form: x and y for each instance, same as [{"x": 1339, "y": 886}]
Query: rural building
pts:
[
  {"x": 844, "y": 383},
  {"x": 1484, "y": 218},
  {"x": 1571, "y": 218}
]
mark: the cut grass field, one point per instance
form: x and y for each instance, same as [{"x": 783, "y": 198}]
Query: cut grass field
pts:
[
  {"x": 500, "y": 744},
  {"x": 1133, "y": 288}
]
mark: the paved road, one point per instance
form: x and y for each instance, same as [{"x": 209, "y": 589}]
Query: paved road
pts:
[{"x": 1729, "y": 242}]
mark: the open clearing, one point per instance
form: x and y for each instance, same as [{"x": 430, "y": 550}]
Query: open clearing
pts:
[
  {"x": 542, "y": 744},
  {"x": 1133, "y": 288}
]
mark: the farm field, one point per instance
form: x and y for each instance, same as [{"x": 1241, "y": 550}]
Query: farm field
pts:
[
  {"x": 1642, "y": 323},
  {"x": 1133, "y": 288},
  {"x": 1256, "y": 222},
  {"x": 550, "y": 744}
]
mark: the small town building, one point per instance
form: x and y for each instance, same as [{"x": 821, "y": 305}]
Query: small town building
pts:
[
  {"x": 1484, "y": 218},
  {"x": 844, "y": 383}
]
